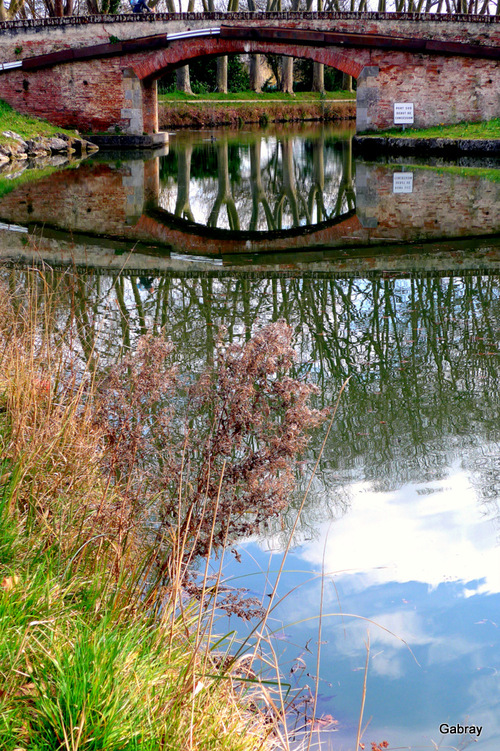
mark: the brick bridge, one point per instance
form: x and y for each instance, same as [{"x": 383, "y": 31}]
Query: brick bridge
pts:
[{"x": 99, "y": 73}]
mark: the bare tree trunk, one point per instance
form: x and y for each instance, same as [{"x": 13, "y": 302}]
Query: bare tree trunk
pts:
[
  {"x": 346, "y": 82},
  {"x": 255, "y": 73},
  {"x": 287, "y": 62},
  {"x": 255, "y": 60},
  {"x": 182, "y": 81},
  {"x": 15, "y": 7},
  {"x": 222, "y": 74},
  {"x": 287, "y": 74},
  {"x": 224, "y": 195},
  {"x": 289, "y": 189},
  {"x": 318, "y": 83},
  {"x": 258, "y": 194},
  {"x": 318, "y": 187},
  {"x": 182, "y": 205}
]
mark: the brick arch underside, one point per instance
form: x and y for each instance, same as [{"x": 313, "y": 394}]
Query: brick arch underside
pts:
[{"x": 156, "y": 64}]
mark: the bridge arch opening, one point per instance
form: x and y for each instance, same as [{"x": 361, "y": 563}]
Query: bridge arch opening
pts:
[
  {"x": 153, "y": 67},
  {"x": 206, "y": 75}
]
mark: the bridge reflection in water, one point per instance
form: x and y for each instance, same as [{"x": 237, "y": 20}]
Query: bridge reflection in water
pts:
[{"x": 231, "y": 198}]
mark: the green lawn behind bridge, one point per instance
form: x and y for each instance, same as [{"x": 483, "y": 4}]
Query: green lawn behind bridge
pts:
[{"x": 252, "y": 96}]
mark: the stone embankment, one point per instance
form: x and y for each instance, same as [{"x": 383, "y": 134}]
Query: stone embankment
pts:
[{"x": 16, "y": 148}]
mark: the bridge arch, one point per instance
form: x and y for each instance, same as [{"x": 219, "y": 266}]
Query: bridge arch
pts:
[
  {"x": 187, "y": 51},
  {"x": 152, "y": 67}
]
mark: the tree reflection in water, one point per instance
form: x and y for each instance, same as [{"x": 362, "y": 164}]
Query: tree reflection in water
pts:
[
  {"x": 422, "y": 353},
  {"x": 266, "y": 183}
]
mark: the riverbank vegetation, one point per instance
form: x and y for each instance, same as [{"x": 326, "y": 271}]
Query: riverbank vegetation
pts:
[
  {"x": 16, "y": 174},
  {"x": 206, "y": 115},
  {"x": 484, "y": 130},
  {"x": 485, "y": 173},
  {"x": 180, "y": 110},
  {"x": 115, "y": 487}
]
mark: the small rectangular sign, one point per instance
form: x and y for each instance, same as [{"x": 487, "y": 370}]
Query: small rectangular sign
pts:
[
  {"x": 402, "y": 182},
  {"x": 403, "y": 113}
]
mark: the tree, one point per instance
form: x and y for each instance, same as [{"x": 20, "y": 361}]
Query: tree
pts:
[
  {"x": 183, "y": 82},
  {"x": 255, "y": 61},
  {"x": 182, "y": 79},
  {"x": 95, "y": 7},
  {"x": 7, "y": 14},
  {"x": 286, "y": 82},
  {"x": 222, "y": 74}
]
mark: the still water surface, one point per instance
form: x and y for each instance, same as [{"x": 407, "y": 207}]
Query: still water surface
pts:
[{"x": 390, "y": 280}]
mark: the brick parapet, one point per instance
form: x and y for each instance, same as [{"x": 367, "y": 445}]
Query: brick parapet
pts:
[{"x": 148, "y": 19}]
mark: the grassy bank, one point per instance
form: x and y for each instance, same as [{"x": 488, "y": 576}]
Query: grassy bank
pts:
[
  {"x": 484, "y": 130},
  {"x": 202, "y": 114},
  {"x": 483, "y": 172},
  {"x": 106, "y": 639},
  {"x": 189, "y": 111},
  {"x": 261, "y": 98},
  {"x": 24, "y": 125}
]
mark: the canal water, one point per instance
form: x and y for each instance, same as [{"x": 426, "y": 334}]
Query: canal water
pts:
[{"x": 388, "y": 272}]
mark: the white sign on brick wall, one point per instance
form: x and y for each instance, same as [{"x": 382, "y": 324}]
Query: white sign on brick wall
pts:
[
  {"x": 403, "y": 113},
  {"x": 402, "y": 182}
]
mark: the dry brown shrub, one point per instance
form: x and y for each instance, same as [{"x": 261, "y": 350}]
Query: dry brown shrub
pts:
[{"x": 206, "y": 459}]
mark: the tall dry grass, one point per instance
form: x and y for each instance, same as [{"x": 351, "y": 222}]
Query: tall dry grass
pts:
[{"x": 114, "y": 486}]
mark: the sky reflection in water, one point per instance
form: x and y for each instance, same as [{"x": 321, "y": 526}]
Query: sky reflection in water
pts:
[{"x": 422, "y": 562}]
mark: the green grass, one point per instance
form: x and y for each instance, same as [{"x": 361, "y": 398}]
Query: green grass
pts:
[
  {"x": 88, "y": 660},
  {"x": 488, "y": 174},
  {"x": 27, "y": 127},
  {"x": 486, "y": 130},
  {"x": 24, "y": 125},
  {"x": 303, "y": 96},
  {"x": 83, "y": 670}
]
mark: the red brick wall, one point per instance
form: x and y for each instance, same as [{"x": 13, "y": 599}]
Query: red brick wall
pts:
[
  {"x": 442, "y": 204},
  {"x": 87, "y": 96}
]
